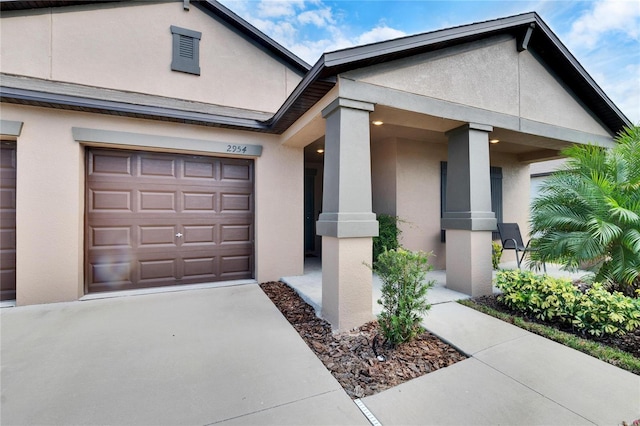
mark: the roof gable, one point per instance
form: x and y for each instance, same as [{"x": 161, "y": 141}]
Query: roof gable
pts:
[
  {"x": 132, "y": 47},
  {"x": 528, "y": 29},
  {"x": 490, "y": 75},
  {"x": 212, "y": 7}
]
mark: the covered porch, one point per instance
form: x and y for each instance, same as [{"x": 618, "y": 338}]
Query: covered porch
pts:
[
  {"x": 309, "y": 285},
  {"x": 438, "y": 130}
]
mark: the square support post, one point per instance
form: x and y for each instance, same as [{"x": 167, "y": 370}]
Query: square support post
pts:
[
  {"x": 347, "y": 223},
  {"x": 468, "y": 218}
]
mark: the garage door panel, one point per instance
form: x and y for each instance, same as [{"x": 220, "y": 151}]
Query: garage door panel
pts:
[
  {"x": 187, "y": 219},
  {"x": 157, "y": 235},
  {"x": 112, "y": 275},
  {"x": 153, "y": 201},
  {"x": 7, "y": 282},
  {"x": 110, "y": 163},
  {"x": 197, "y": 202},
  {"x": 8, "y": 198},
  {"x": 236, "y": 171},
  {"x": 110, "y": 200},
  {"x": 236, "y": 233},
  {"x": 201, "y": 267},
  {"x": 157, "y": 270},
  {"x": 157, "y": 167},
  {"x": 199, "y": 234},
  {"x": 235, "y": 266},
  {"x": 199, "y": 170},
  {"x": 8, "y": 166},
  {"x": 110, "y": 237},
  {"x": 235, "y": 202}
]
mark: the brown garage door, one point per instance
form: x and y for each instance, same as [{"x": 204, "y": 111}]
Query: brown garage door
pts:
[
  {"x": 163, "y": 219},
  {"x": 7, "y": 221}
]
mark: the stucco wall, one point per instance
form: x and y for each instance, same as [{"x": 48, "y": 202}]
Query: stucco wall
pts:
[
  {"x": 545, "y": 99},
  {"x": 130, "y": 48},
  {"x": 50, "y": 198},
  {"x": 418, "y": 194},
  {"x": 415, "y": 190},
  {"x": 489, "y": 75}
]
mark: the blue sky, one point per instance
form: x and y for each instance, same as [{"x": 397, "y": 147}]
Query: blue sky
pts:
[{"x": 604, "y": 35}]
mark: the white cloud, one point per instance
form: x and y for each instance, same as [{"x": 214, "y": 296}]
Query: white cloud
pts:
[
  {"x": 379, "y": 33},
  {"x": 624, "y": 90},
  {"x": 276, "y": 9},
  {"x": 308, "y": 28},
  {"x": 606, "y": 17},
  {"x": 320, "y": 17}
]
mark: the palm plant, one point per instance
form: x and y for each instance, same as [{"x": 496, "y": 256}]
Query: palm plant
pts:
[{"x": 588, "y": 213}]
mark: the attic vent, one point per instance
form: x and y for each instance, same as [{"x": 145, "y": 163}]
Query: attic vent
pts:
[
  {"x": 186, "y": 50},
  {"x": 186, "y": 47}
]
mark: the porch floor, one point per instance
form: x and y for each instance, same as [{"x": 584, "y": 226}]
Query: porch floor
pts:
[{"x": 309, "y": 285}]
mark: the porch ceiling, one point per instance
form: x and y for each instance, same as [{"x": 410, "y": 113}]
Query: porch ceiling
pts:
[{"x": 420, "y": 127}]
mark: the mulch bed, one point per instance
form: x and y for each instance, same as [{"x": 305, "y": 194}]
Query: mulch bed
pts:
[
  {"x": 629, "y": 342},
  {"x": 350, "y": 356}
]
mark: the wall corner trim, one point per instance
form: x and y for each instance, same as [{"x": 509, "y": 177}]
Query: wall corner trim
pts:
[
  {"x": 10, "y": 128},
  {"x": 176, "y": 144}
]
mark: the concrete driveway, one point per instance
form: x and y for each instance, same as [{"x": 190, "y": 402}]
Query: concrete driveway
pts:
[{"x": 222, "y": 355}]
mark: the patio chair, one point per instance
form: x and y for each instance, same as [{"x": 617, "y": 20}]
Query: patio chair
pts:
[{"x": 511, "y": 239}]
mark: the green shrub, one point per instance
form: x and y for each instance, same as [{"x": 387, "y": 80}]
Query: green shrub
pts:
[
  {"x": 544, "y": 297},
  {"x": 601, "y": 312},
  {"x": 589, "y": 213},
  {"x": 387, "y": 236},
  {"x": 596, "y": 311},
  {"x": 404, "y": 291},
  {"x": 496, "y": 254}
]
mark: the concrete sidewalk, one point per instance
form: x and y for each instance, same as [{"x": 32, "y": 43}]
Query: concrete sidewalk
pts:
[
  {"x": 512, "y": 377},
  {"x": 227, "y": 356},
  {"x": 200, "y": 357}
]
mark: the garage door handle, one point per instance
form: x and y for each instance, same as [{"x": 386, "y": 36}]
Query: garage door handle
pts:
[{"x": 179, "y": 235}]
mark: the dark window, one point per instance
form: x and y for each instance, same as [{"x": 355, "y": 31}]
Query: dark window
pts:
[
  {"x": 496, "y": 195},
  {"x": 186, "y": 50}
]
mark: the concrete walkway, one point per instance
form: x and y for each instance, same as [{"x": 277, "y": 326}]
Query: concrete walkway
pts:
[
  {"x": 512, "y": 377},
  {"x": 227, "y": 356}
]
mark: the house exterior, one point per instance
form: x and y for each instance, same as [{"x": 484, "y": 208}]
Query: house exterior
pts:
[{"x": 163, "y": 144}]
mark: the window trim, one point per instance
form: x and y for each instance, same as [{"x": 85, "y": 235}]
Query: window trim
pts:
[{"x": 190, "y": 65}]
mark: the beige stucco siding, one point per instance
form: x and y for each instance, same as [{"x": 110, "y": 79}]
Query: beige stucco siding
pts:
[
  {"x": 418, "y": 194},
  {"x": 415, "y": 191},
  {"x": 489, "y": 75},
  {"x": 50, "y": 198},
  {"x": 545, "y": 99},
  {"x": 482, "y": 74},
  {"x": 129, "y": 47}
]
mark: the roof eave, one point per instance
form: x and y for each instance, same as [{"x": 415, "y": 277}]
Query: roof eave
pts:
[{"x": 77, "y": 103}]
